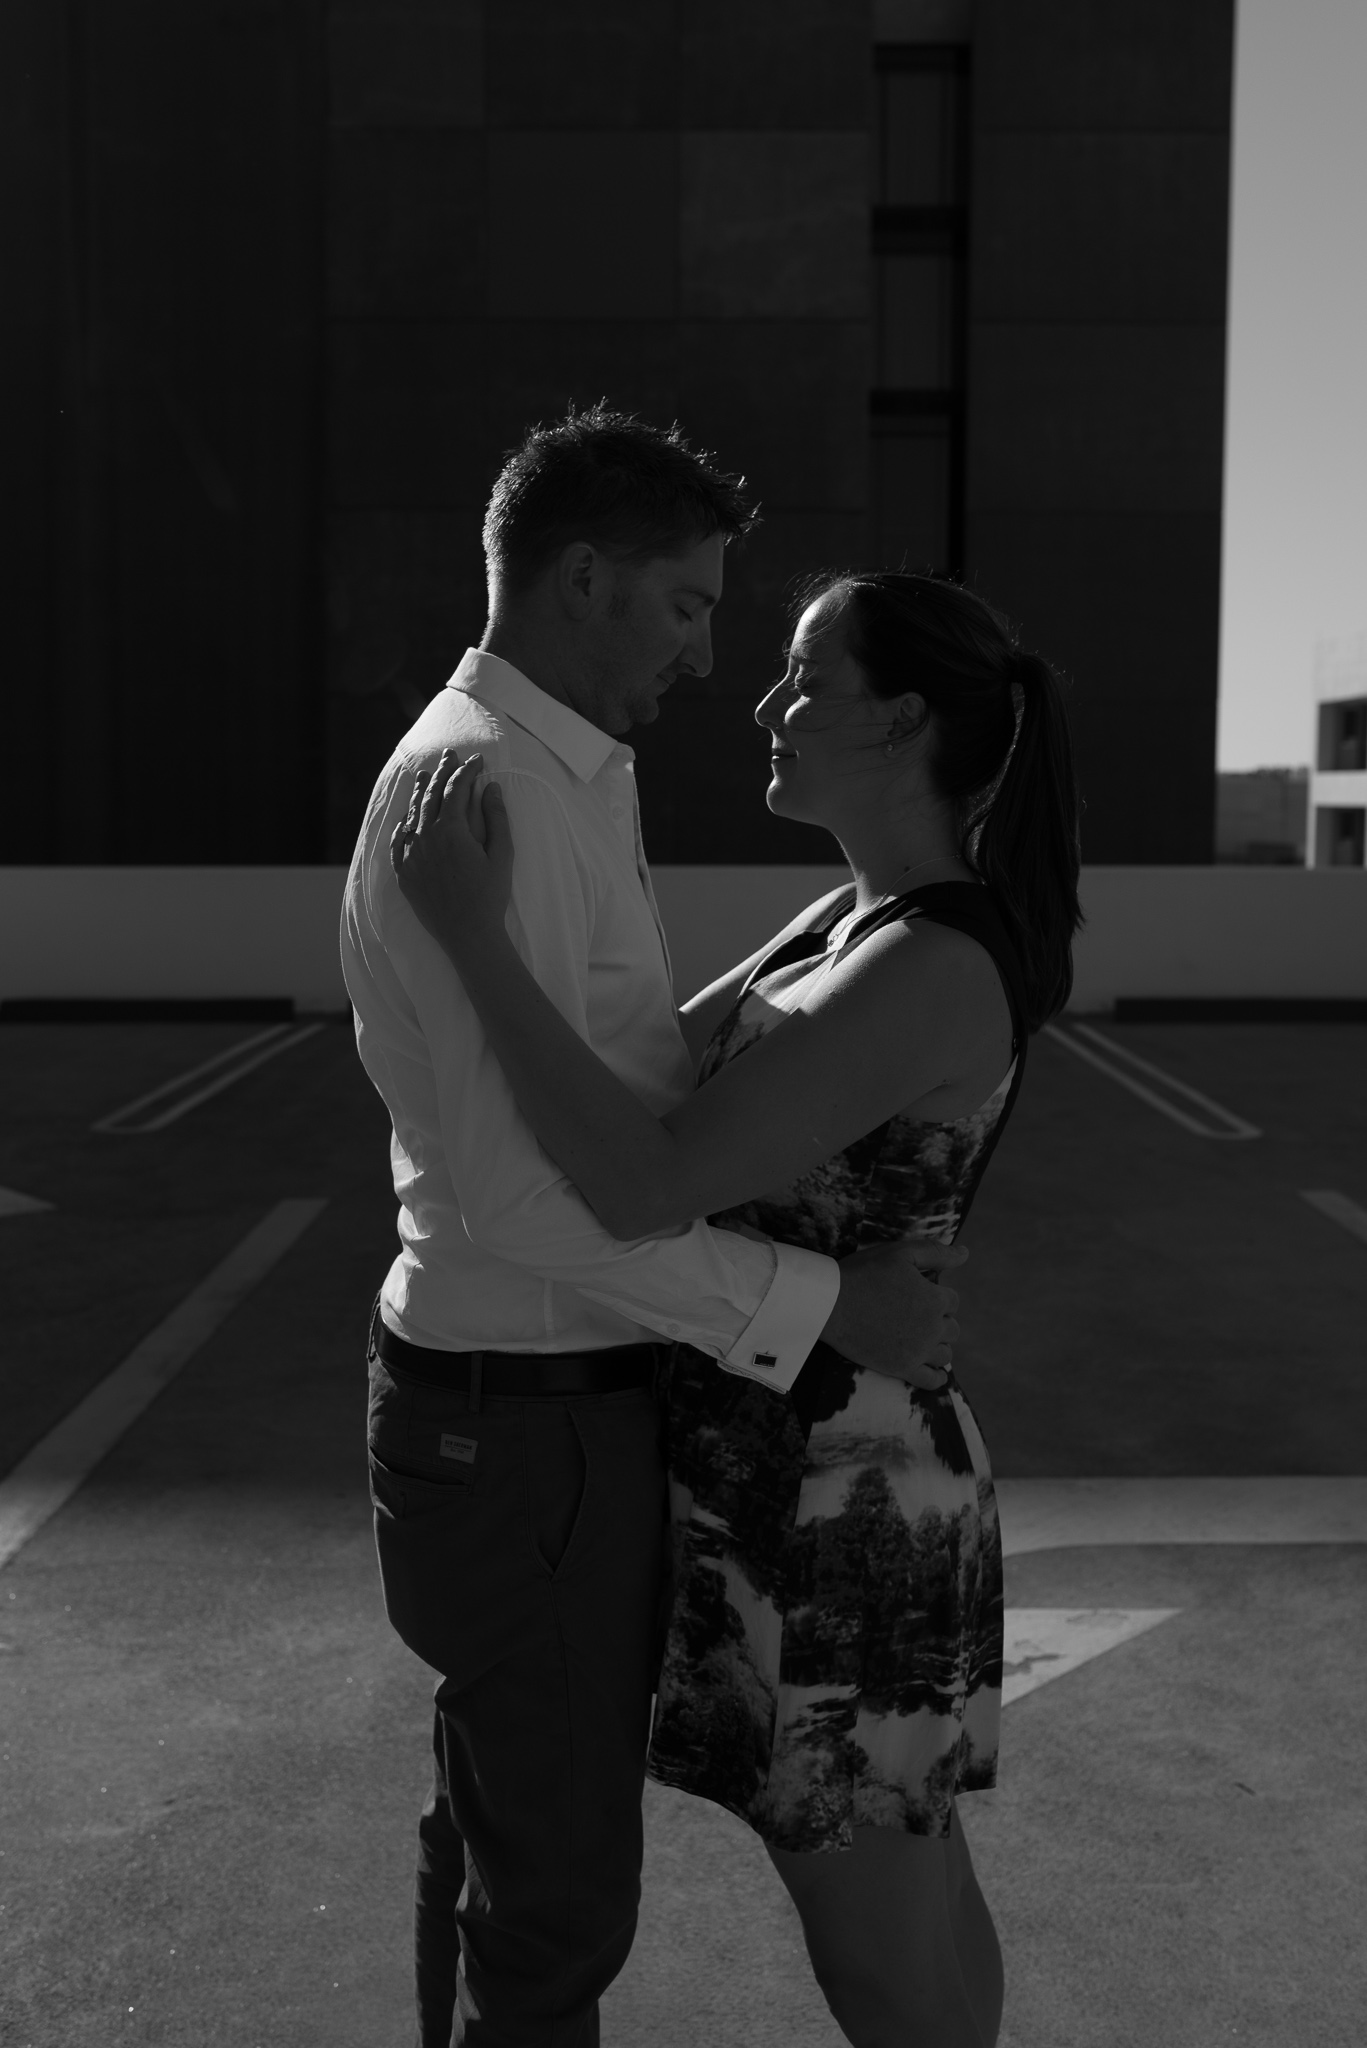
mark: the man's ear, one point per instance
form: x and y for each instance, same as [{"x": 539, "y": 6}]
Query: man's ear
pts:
[{"x": 578, "y": 574}]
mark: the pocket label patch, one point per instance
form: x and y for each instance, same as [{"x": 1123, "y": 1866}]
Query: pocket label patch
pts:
[{"x": 462, "y": 1448}]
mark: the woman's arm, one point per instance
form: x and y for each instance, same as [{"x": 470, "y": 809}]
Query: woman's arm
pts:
[{"x": 910, "y": 1010}]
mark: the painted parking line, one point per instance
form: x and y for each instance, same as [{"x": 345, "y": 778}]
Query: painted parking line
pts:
[
  {"x": 1045, "y": 1643},
  {"x": 236, "y": 1061},
  {"x": 1068, "y": 1514},
  {"x": 13, "y": 1203},
  {"x": 1214, "y": 1121},
  {"x": 40, "y": 1483},
  {"x": 179, "y": 1081},
  {"x": 1338, "y": 1208}
]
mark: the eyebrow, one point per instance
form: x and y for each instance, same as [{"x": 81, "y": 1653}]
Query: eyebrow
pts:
[{"x": 703, "y": 596}]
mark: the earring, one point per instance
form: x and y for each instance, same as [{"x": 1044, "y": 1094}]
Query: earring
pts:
[{"x": 888, "y": 748}]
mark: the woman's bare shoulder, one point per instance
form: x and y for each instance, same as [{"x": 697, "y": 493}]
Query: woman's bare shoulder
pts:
[
  {"x": 914, "y": 956},
  {"x": 923, "y": 988}
]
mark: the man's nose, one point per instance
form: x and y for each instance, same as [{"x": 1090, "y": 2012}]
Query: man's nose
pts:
[{"x": 700, "y": 647}]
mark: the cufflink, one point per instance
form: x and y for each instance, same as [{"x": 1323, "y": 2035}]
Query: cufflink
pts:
[{"x": 764, "y": 1358}]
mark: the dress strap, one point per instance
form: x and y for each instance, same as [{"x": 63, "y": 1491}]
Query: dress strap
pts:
[
  {"x": 803, "y": 945},
  {"x": 968, "y": 907},
  {"x": 830, "y": 917}
]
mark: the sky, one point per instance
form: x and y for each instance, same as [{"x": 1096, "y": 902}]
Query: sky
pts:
[{"x": 1295, "y": 524}]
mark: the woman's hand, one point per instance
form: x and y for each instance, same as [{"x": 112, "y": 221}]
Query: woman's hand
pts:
[{"x": 453, "y": 854}]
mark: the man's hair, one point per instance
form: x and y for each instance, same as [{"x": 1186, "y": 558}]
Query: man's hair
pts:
[{"x": 634, "y": 490}]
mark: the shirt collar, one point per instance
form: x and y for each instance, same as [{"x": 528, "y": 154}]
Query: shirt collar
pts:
[{"x": 495, "y": 682}]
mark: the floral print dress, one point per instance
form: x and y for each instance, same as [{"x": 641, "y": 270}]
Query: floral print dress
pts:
[{"x": 834, "y": 1656}]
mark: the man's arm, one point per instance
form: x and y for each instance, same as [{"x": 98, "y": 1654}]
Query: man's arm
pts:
[
  {"x": 744, "y": 1302},
  {"x": 914, "y": 1011}
]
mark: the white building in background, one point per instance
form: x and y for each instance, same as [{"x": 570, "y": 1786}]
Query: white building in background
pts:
[{"x": 1338, "y": 779}]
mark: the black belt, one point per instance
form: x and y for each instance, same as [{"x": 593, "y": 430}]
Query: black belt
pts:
[{"x": 520, "y": 1373}]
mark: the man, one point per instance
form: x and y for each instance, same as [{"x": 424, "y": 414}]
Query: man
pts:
[{"x": 516, "y": 1472}]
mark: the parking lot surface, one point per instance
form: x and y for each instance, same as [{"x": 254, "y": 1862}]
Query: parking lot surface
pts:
[{"x": 213, "y": 1749}]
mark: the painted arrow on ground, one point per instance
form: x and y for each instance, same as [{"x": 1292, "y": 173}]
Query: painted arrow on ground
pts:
[{"x": 1043, "y": 1643}]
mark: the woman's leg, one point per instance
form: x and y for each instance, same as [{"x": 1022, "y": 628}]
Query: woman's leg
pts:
[
  {"x": 884, "y": 1923},
  {"x": 975, "y": 1938}
]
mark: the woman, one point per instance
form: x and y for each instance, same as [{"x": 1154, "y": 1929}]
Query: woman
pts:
[{"x": 833, "y": 1666}]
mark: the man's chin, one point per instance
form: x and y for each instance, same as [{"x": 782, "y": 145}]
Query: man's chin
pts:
[{"x": 644, "y": 708}]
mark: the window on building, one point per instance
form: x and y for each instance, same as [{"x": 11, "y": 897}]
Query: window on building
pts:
[
  {"x": 920, "y": 248},
  {"x": 1340, "y": 836},
  {"x": 1343, "y": 737}
]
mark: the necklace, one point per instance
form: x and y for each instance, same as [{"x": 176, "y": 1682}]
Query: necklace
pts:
[{"x": 853, "y": 916}]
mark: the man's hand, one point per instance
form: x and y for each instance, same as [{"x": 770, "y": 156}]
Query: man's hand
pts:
[{"x": 890, "y": 1318}]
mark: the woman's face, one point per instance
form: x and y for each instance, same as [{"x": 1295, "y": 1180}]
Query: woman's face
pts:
[{"x": 829, "y": 731}]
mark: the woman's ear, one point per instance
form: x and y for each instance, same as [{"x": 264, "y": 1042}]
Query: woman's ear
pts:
[{"x": 910, "y": 718}]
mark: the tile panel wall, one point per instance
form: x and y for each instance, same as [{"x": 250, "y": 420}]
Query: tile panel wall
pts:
[
  {"x": 527, "y": 207},
  {"x": 1100, "y": 204}
]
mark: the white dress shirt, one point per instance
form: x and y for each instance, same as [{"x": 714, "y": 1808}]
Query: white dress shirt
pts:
[{"x": 498, "y": 1249}]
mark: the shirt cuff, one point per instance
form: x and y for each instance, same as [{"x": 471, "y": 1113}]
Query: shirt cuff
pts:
[{"x": 773, "y": 1346}]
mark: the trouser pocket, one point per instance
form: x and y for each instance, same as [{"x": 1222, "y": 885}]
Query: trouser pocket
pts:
[{"x": 556, "y": 1476}]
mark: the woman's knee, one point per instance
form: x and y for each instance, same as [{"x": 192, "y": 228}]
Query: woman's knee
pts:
[{"x": 879, "y": 1936}]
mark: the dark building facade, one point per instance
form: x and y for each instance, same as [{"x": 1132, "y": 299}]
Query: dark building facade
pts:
[{"x": 947, "y": 283}]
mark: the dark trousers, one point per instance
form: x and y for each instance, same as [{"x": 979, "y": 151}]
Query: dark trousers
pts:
[{"x": 521, "y": 1552}]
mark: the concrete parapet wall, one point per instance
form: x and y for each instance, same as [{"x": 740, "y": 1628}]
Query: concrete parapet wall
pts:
[
  {"x": 267, "y": 931},
  {"x": 196, "y": 933},
  {"x": 1150, "y": 931},
  {"x": 1221, "y": 931}
]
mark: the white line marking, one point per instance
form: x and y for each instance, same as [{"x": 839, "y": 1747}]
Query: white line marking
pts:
[
  {"x": 1235, "y": 1126},
  {"x": 1066, "y": 1514},
  {"x": 172, "y": 1087},
  {"x": 12, "y": 1203},
  {"x": 116, "y": 1125},
  {"x": 1042, "y": 1643},
  {"x": 44, "y": 1480},
  {"x": 1239, "y": 1127},
  {"x": 1338, "y": 1208}
]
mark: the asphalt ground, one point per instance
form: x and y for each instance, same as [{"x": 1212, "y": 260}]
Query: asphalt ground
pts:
[{"x": 212, "y": 1749}]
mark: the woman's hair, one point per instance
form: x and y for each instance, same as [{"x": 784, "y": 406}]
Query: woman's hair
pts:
[
  {"x": 633, "y": 489},
  {"x": 1001, "y": 751}
]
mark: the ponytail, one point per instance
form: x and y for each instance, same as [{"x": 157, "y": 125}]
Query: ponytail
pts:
[
  {"x": 1002, "y": 752},
  {"x": 1025, "y": 841}
]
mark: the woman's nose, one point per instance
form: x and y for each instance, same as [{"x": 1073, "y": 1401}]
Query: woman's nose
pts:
[{"x": 769, "y": 710}]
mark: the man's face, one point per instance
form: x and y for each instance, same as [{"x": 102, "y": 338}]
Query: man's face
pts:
[{"x": 655, "y": 624}]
